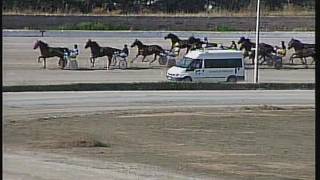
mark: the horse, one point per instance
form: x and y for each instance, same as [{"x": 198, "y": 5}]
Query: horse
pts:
[
  {"x": 97, "y": 51},
  {"x": 302, "y": 50},
  {"x": 48, "y": 52},
  {"x": 265, "y": 50},
  {"x": 304, "y": 45},
  {"x": 146, "y": 50},
  {"x": 177, "y": 42},
  {"x": 247, "y": 45}
]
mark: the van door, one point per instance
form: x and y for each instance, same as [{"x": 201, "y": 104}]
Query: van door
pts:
[
  {"x": 196, "y": 71},
  {"x": 239, "y": 69}
]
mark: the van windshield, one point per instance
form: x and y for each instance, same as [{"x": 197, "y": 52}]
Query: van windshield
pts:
[{"x": 184, "y": 63}]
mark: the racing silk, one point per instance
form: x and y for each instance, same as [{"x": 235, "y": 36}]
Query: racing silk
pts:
[
  {"x": 126, "y": 51},
  {"x": 74, "y": 53}
]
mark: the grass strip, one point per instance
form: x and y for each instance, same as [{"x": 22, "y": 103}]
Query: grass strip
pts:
[{"x": 158, "y": 86}]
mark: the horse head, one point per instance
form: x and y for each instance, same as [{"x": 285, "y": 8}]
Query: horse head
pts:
[
  {"x": 88, "y": 44},
  {"x": 136, "y": 43},
  {"x": 294, "y": 43},
  {"x": 171, "y": 36},
  {"x": 40, "y": 44},
  {"x": 242, "y": 39},
  {"x": 37, "y": 44},
  {"x": 246, "y": 45}
]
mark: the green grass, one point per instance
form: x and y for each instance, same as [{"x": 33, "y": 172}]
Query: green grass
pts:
[
  {"x": 97, "y": 26},
  {"x": 100, "y": 144},
  {"x": 224, "y": 28},
  {"x": 158, "y": 86}
]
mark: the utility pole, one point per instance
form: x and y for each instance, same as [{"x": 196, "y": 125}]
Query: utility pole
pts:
[{"x": 256, "y": 68}]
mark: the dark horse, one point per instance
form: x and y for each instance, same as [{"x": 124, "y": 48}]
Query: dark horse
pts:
[
  {"x": 48, "y": 52},
  {"x": 97, "y": 51},
  {"x": 146, "y": 50},
  {"x": 265, "y": 50},
  {"x": 177, "y": 42},
  {"x": 302, "y": 50}
]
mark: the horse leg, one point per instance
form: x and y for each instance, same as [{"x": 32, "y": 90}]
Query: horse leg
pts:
[
  {"x": 60, "y": 63},
  {"x": 144, "y": 57},
  {"x": 134, "y": 58},
  {"x": 303, "y": 62},
  {"x": 65, "y": 62},
  {"x": 264, "y": 59},
  {"x": 44, "y": 63},
  {"x": 312, "y": 60},
  {"x": 93, "y": 61},
  {"x": 108, "y": 62},
  {"x": 252, "y": 57},
  {"x": 291, "y": 58},
  {"x": 39, "y": 58},
  {"x": 187, "y": 50},
  {"x": 155, "y": 57}
]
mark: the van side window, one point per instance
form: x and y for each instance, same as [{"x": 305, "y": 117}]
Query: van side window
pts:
[
  {"x": 196, "y": 64},
  {"x": 223, "y": 63}
]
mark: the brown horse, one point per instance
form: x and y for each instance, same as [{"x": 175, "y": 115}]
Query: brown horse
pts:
[
  {"x": 265, "y": 50},
  {"x": 97, "y": 51},
  {"x": 48, "y": 52},
  {"x": 302, "y": 50},
  {"x": 177, "y": 42},
  {"x": 147, "y": 50}
]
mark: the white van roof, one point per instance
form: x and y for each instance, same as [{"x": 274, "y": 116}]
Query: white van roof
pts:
[{"x": 213, "y": 54}]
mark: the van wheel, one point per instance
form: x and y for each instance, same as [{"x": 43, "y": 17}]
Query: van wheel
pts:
[
  {"x": 232, "y": 79},
  {"x": 187, "y": 79}
]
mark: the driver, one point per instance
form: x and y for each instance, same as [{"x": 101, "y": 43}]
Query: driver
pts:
[
  {"x": 125, "y": 51},
  {"x": 233, "y": 46}
]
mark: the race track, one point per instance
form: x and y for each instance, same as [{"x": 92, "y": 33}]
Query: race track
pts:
[
  {"x": 46, "y": 102},
  {"x": 225, "y": 135},
  {"x": 20, "y": 66}
]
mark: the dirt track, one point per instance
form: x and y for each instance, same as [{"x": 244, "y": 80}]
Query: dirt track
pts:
[
  {"x": 159, "y": 135},
  {"x": 240, "y": 143}
]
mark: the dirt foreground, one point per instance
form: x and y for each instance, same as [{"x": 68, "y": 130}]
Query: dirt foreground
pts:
[{"x": 262, "y": 142}]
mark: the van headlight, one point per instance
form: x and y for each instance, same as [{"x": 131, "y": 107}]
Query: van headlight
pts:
[{"x": 180, "y": 75}]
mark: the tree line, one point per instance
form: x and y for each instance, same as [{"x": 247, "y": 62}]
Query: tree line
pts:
[{"x": 148, "y": 6}]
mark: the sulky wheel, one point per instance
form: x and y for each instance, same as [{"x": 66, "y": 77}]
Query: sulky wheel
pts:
[
  {"x": 162, "y": 60},
  {"x": 123, "y": 64}
]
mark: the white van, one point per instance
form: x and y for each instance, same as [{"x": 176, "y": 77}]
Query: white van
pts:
[{"x": 209, "y": 65}]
